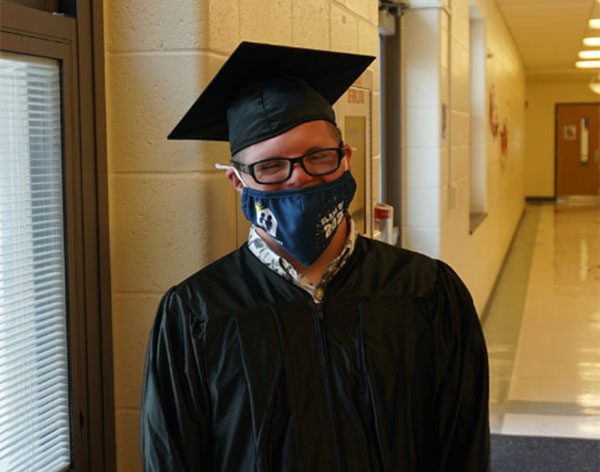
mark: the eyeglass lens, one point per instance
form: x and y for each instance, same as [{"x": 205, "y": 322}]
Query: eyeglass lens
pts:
[{"x": 316, "y": 163}]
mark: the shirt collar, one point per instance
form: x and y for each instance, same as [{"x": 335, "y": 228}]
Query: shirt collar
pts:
[{"x": 282, "y": 267}]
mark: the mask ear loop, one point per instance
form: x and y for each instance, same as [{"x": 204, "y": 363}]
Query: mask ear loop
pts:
[{"x": 235, "y": 171}]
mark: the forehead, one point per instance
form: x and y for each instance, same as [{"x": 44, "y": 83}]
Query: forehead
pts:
[{"x": 294, "y": 142}]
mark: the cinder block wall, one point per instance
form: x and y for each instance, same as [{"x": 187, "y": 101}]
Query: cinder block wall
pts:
[
  {"x": 170, "y": 212},
  {"x": 478, "y": 257}
]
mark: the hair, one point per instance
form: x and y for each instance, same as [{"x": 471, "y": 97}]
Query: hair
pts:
[{"x": 335, "y": 132}]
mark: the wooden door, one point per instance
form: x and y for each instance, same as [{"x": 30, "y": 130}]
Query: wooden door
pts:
[{"x": 577, "y": 149}]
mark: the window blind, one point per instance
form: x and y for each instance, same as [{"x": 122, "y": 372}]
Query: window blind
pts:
[{"x": 34, "y": 373}]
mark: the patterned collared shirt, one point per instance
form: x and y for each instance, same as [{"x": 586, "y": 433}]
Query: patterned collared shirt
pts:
[{"x": 283, "y": 268}]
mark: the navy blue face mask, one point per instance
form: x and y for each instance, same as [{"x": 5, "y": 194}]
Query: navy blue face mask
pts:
[{"x": 303, "y": 221}]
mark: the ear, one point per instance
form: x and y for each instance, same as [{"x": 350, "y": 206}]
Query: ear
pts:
[
  {"x": 348, "y": 155},
  {"x": 235, "y": 180}
]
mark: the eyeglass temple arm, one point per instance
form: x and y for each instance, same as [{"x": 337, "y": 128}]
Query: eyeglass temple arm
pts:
[{"x": 220, "y": 166}]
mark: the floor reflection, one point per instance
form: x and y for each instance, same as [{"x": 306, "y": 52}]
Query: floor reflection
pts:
[{"x": 542, "y": 326}]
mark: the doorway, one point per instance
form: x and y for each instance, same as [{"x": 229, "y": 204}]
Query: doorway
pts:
[{"x": 577, "y": 150}]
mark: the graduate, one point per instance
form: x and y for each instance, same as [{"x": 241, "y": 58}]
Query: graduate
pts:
[{"x": 310, "y": 348}]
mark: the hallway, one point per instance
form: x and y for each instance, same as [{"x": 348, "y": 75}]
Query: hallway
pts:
[{"x": 542, "y": 326}]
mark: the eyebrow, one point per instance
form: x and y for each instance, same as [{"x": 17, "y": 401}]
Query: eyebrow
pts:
[{"x": 311, "y": 149}]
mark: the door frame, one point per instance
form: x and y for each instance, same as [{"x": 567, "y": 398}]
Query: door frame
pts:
[
  {"x": 390, "y": 114},
  {"x": 78, "y": 33}
]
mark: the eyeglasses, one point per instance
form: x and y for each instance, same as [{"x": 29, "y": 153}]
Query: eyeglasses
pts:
[{"x": 275, "y": 170}]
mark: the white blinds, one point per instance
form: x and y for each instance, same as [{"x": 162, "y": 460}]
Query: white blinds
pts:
[{"x": 34, "y": 385}]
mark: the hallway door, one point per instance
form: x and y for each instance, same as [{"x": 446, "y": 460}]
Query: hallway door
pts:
[{"x": 577, "y": 149}]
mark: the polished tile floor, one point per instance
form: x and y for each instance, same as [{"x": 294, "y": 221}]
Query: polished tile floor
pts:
[{"x": 542, "y": 326}]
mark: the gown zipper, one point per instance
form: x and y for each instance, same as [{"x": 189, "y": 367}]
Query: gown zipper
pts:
[{"x": 324, "y": 354}]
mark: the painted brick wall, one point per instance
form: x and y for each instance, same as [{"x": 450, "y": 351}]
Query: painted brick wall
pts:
[
  {"x": 423, "y": 92},
  {"x": 170, "y": 212},
  {"x": 478, "y": 257}
]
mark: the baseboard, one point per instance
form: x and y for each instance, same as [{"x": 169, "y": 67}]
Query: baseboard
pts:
[{"x": 535, "y": 200}]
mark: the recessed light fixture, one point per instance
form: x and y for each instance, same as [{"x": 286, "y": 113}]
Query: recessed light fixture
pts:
[
  {"x": 591, "y": 54},
  {"x": 587, "y": 64},
  {"x": 593, "y": 41},
  {"x": 595, "y": 23},
  {"x": 595, "y": 84}
]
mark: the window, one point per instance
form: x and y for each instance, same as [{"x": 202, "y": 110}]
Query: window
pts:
[
  {"x": 34, "y": 387},
  {"x": 55, "y": 374}
]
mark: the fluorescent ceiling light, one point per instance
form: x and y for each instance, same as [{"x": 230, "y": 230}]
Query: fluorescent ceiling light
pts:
[
  {"x": 592, "y": 41},
  {"x": 591, "y": 54},
  {"x": 595, "y": 23},
  {"x": 587, "y": 64}
]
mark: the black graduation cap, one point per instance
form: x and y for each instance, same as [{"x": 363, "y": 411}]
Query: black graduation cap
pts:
[{"x": 264, "y": 90}]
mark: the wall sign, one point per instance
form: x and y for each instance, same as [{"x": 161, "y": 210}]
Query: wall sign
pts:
[{"x": 570, "y": 132}]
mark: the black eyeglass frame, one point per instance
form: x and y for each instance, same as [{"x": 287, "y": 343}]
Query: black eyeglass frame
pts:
[{"x": 249, "y": 168}]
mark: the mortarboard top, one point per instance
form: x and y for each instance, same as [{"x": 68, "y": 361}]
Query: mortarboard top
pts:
[{"x": 263, "y": 90}]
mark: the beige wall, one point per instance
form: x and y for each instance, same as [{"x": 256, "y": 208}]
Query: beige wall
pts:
[
  {"x": 543, "y": 93},
  {"x": 170, "y": 212},
  {"x": 436, "y": 174}
]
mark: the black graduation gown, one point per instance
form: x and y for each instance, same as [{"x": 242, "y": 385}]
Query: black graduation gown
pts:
[{"x": 244, "y": 372}]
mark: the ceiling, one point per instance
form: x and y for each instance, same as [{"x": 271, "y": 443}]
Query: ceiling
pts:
[{"x": 549, "y": 33}]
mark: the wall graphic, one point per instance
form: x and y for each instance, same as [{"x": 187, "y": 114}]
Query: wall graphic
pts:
[{"x": 495, "y": 123}]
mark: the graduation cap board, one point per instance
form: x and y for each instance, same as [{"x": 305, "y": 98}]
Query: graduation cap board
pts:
[{"x": 264, "y": 90}]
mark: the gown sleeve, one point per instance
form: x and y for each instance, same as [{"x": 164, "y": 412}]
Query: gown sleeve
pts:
[
  {"x": 174, "y": 413},
  {"x": 462, "y": 384}
]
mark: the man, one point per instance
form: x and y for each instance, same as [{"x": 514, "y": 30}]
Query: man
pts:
[{"x": 310, "y": 348}]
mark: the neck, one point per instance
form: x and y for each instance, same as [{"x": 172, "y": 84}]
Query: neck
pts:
[{"x": 313, "y": 272}]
